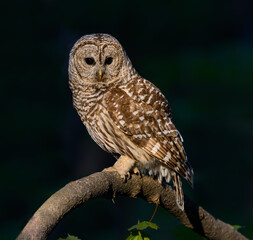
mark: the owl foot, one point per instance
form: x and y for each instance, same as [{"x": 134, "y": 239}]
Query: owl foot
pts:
[
  {"x": 124, "y": 176},
  {"x": 122, "y": 166}
]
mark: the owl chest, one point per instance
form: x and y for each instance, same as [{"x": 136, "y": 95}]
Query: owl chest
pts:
[
  {"x": 102, "y": 130},
  {"x": 87, "y": 105},
  {"x": 106, "y": 134}
]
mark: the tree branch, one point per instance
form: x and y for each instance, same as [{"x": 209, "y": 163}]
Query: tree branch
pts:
[{"x": 105, "y": 184}]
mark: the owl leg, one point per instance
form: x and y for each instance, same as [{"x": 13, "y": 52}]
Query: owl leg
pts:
[{"x": 123, "y": 166}]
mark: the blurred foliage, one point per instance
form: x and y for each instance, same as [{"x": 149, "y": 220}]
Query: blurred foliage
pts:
[
  {"x": 199, "y": 53},
  {"x": 143, "y": 225},
  {"x": 69, "y": 237},
  {"x": 138, "y": 233},
  {"x": 236, "y": 227}
]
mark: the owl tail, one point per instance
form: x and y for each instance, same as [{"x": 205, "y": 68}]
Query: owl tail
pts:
[{"x": 178, "y": 190}]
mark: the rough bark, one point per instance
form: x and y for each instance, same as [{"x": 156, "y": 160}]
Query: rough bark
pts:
[{"x": 105, "y": 184}]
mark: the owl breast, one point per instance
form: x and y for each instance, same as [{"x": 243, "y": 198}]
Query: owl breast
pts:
[
  {"x": 92, "y": 106},
  {"x": 94, "y": 113},
  {"x": 106, "y": 134}
]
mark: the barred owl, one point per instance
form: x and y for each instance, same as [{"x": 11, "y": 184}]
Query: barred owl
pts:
[{"x": 125, "y": 114}]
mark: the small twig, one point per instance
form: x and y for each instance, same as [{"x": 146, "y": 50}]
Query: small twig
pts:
[{"x": 156, "y": 207}]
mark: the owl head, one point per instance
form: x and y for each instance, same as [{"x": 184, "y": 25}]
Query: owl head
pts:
[{"x": 97, "y": 60}]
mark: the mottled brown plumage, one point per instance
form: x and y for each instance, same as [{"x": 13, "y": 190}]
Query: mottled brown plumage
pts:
[{"x": 124, "y": 113}]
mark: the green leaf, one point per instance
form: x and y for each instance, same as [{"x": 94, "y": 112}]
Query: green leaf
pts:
[
  {"x": 143, "y": 225},
  {"x": 134, "y": 236},
  {"x": 145, "y": 236},
  {"x": 236, "y": 227},
  {"x": 138, "y": 235},
  {"x": 70, "y": 237}
]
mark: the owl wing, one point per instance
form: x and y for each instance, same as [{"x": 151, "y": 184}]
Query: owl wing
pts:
[{"x": 149, "y": 126}]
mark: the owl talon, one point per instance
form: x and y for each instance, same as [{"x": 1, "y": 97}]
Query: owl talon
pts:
[
  {"x": 137, "y": 171},
  {"x": 124, "y": 177},
  {"x": 128, "y": 176}
]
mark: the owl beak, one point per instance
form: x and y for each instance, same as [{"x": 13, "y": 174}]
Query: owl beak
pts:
[{"x": 100, "y": 74}]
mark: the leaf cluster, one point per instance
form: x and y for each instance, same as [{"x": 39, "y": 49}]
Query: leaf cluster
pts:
[
  {"x": 137, "y": 233},
  {"x": 69, "y": 237}
]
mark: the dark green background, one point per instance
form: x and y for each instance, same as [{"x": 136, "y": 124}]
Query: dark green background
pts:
[{"x": 199, "y": 53}]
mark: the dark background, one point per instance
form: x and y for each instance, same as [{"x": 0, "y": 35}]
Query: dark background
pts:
[{"x": 199, "y": 53}]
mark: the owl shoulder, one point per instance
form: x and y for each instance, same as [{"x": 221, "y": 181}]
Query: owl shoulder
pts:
[{"x": 147, "y": 94}]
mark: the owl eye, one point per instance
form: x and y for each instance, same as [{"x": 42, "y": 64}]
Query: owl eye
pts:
[
  {"x": 90, "y": 61},
  {"x": 108, "y": 60}
]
